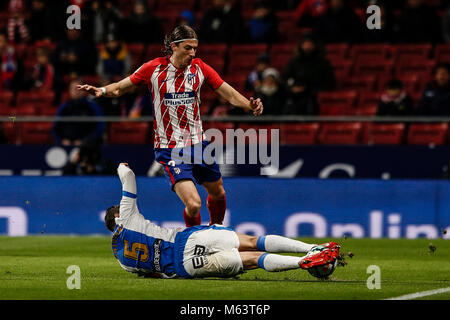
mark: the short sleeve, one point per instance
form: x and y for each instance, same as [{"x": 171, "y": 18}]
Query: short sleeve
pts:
[
  {"x": 142, "y": 74},
  {"x": 211, "y": 76}
]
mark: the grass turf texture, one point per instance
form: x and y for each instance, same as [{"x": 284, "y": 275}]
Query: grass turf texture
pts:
[{"x": 35, "y": 268}]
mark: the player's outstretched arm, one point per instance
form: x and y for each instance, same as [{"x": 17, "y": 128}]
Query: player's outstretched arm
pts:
[
  {"x": 112, "y": 90},
  {"x": 230, "y": 94}
]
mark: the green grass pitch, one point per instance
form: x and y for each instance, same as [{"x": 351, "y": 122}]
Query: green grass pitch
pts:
[{"x": 35, "y": 267}]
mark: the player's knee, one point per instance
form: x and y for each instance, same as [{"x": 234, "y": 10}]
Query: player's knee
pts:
[{"x": 193, "y": 207}]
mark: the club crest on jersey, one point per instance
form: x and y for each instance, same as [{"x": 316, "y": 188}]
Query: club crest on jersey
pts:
[
  {"x": 177, "y": 170},
  {"x": 191, "y": 78}
]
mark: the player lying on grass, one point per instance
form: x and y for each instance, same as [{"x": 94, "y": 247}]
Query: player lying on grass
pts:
[{"x": 142, "y": 247}]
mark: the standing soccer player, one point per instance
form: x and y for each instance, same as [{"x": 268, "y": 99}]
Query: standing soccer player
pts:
[{"x": 174, "y": 82}]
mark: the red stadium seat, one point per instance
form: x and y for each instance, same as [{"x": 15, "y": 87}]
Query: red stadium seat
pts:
[
  {"x": 343, "y": 133},
  {"x": 336, "y": 102},
  {"x": 153, "y": 51},
  {"x": 384, "y": 133},
  {"x": 442, "y": 53},
  {"x": 299, "y": 133},
  {"x": 374, "y": 67},
  {"x": 39, "y": 98},
  {"x": 219, "y": 125},
  {"x": 35, "y": 133},
  {"x": 359, "y": 83},
  {"x": 364, "y": 110},
  {"x": 342, "y": 68},
  {"x": 410, "y": 82},
  {"x": 411, "y": 51},
  {"x": 261, "y": 136},
  {"x": 337, "y": 51},
  {"x": 367, "y": 52},
  {"x": 167, "y": 19},
  {"x": 243, "y": 57},
  {"x": 136, "y": 51},
  {"x": 128, "y": 133},
  {"x": 428, "y": 133},
  {"x": 212, "y": 49},
  {"x": 6, "y": 98},
  {"x": 237, "y": 81},
  {"x": 421, "y": 68},
  {"x": 280, "y": 54},
  {"x": 175, "y": 5}
]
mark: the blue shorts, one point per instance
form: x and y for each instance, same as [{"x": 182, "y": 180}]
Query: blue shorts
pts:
[{"x": 196, "y": 168}]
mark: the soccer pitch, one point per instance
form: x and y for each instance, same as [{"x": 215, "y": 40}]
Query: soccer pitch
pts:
[{"x": 35, "y": 267}]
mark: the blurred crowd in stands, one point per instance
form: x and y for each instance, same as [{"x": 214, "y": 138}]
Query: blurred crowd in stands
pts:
[{"x": 301, "y": 57}]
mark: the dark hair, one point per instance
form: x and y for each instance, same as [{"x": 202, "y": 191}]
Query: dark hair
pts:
[
  {"x": 110, "y": 217},
  {"x": 394, "y": 84},
  {"x": 179, "y": 33}
]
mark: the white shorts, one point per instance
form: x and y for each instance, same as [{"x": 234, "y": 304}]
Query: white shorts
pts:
[{"x": 208, "y": 251}]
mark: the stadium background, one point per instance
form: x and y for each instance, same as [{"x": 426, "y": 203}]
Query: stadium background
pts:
[{"x": 381, "y": 175}]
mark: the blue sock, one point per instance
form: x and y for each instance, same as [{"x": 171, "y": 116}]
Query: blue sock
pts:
[
  {"x": 261, "y": 260},
  {"x": 260, "y": 243}
]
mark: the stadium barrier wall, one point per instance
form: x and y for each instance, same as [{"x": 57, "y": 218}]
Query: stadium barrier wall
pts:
[
  {"x": 291, "y": 207},
  {"x": 397, "y": 162}
]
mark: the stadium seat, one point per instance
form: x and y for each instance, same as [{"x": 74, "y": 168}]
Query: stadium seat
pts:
[
  {"x": 219, "y": 125},
  {"x": 344, "y": 133},
  {"x": 128, "y": 133},
  {"x": 359, "y": 83},
  {"x": 369, "y": 98},
  {"x": 416, "y": 52},
  {"x": 6, "y": 98},
  {"x": 242, "y": 57},
  {"x": 280, "y": 54},
  {"x": 286, "y": 21},
  {"x": 442, "y": 53},
  {"x": 38, "y": 98},
  {"x": 261, "y": 136},
  {"x": 336, "y": 102},
  {"x": 153, "y": 51},
  {"x": 35, "y": 133},
  {"x": 410, "y": 82},
  {"x": 175, "y": 5},
  {"x": 337, "y": 51},
  {"x": 299, "y": 133},
  {"x": 374, "y": 67},
  {"x": 427, "y": 133},
  {"x": 237, "y": 80},
  {"x": 421, "y": 68},
  {"x": 342, "y": 68},
  {"x": 384, "y": 133},
  {"x": 136, "y": 51},
  {"x": 167, "y": 19},
  {"x": 367, "y": 52}
]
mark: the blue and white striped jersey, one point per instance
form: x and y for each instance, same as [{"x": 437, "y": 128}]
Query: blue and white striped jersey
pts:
[{"x": 139, "y": 245}]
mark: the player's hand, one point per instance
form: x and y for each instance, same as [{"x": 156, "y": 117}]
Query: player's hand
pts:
[
  {"x": 257, "y": 106},
  {"x": 97, "y": 92}
]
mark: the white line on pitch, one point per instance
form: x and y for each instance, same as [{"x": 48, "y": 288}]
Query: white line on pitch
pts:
[{"x": 420, "y": 294}]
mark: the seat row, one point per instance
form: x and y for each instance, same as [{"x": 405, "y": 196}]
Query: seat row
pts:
[{"x": 342, "y": 133}]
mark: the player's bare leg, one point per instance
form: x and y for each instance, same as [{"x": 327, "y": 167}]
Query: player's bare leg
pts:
[
  {"x": 269, "y": 262},
  {"x": 216, "y": 201},
  {"x": 187, "y": 192}
]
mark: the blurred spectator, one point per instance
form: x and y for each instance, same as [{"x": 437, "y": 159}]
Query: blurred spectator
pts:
[
  {"x": 310, "y": 65},
  {"x": 220, "y": 107},
  {"x": 142, "y": 105},
  {"x": 435, "y": 100},
  {"x": 143, "y": 26},
  {"x": 114, "y": 60},
  {"x": 418, "y": 23},
  {"x": 271, "y": 92},
  {"x": 395, "y": 101},
  {"x": 255, "y": 77},
  {"x": 40, "y": 22},
  {"x": 17, "y": 28},
  {"x": 300, "y": 100},
  {"x": 102, "y": 18},
  {"x": 338, "y": 24},
  {"x": 75, "y": 55},
  {"x": 308, "y": 12},
  {"x": 187, "y": 18},
  {"x": 88, "y": 160},
  {"x": 8, "y": 63},
  {"x": 263, "y": 26},
  {"x": 73, "y": 133},
  {"x": 221, "y": 23},
  {"x": 43, "y": 74}
]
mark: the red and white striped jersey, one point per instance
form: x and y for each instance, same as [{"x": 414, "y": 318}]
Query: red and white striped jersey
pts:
[{"x": 176, "y": 99}]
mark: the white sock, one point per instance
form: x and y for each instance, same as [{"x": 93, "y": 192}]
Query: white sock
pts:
[
  {"x": 274, "y": 243},
  {"x": 275, "y": 262}
]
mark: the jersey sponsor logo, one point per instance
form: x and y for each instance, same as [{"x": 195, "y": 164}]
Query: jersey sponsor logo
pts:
[
  {"x": 179, "y": 99},
  {"x": 177, "y": 170},
  {"x": 157, "y": 255}
]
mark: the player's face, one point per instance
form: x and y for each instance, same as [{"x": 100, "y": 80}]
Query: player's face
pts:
[{"x": 185, "y": 52}]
